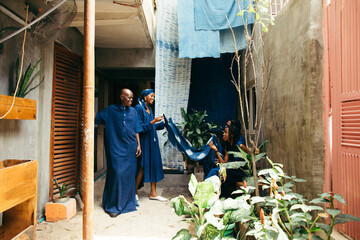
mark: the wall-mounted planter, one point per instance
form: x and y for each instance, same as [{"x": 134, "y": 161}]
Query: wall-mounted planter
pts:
[
  {"x": 18, "y": 194},
  {"x": 23, "y": 109}
]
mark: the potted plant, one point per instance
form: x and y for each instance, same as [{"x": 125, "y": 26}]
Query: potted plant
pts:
[
  {"x": 63, "y": 189},
  {"x": 195, "y": 129},
  {"x": 20, "y": 108}
]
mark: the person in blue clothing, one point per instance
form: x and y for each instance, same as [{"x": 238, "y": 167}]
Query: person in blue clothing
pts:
[
  {"x": 230, "y": 136},
  {"x": 122, "y": 146},
  {"x": 150, "y": 169},
  {"x": 241, "y": 142}
]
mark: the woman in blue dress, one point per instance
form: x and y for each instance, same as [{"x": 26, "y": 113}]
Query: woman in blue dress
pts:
[
  {"x": 230, "y": 136},
  {"x": 150, "y": 160}
]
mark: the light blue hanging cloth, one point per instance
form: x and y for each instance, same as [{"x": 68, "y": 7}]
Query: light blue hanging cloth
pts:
[
  {"x": 192, "y": 43},
  {"x": 211, "y": 14}
]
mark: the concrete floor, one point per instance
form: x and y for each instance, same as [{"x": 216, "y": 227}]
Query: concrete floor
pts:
[{"x": 152, "y": 220}]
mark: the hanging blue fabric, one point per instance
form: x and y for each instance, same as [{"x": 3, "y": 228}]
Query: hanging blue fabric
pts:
[
  {"x": 204, "y": 154},
  {"x": 211, "y": 14}
]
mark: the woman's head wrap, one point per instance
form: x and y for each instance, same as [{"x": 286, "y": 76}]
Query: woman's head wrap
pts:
[{"x": 144, "y": 93}]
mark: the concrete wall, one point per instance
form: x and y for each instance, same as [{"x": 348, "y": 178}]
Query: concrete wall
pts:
[
  {"x": 124, "y": 58},
  {"x": 293, "y": 114},
  {"x": 30, "y": 139}
]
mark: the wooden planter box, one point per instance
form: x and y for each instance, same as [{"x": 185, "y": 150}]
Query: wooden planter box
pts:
[
  {"x": 24, "y": 109},
  {"x": 18, "y": 195}
]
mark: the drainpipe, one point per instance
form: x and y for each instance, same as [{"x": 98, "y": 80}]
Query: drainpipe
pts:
[{"x": 89, "y": 113}]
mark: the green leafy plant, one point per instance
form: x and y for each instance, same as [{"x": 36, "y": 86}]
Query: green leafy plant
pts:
[
  {"x": 27, "y": 79},
  {"x": 195, "y": 129},
  {"x": 214, "y": 218},
  {"x": 63, "y": 189},
  {"x": 285, "y": 214},
  {"x": 334, "y": 213}
]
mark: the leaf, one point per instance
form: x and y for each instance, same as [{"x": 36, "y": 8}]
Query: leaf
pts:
[
  {"x": 344, "y": 218},
  {"x": 192, "y": 184},
  {"x": 178, "y": 205},
  {"x": 241, "y": 13},
  {"x": 319, "y": 200},
  {"x": 234, "y": 165},
  {"x": 204, "y": 192},
  {"x": 339, "y": 198},
  {"x": 333, "y": 212},
  {"x": 259, "y": 156},
  {"x": 255, "y": 200},
  {"x": 215, "y": 181},
  {"x": 209, "y": 233},
  {"x": 324, "y": 227},
  {"x": 299, "y": 180},
  {"x": 183, "y": 234}
]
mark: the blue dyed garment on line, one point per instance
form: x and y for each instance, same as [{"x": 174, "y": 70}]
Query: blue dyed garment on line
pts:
[
  {"x": 150, "y": 158},
  {"x": 192, "y": 43},
  {"x": 211, "y": 14},
  {"x": 204, "y": 154},
  {"x": 121, "y": 125}
]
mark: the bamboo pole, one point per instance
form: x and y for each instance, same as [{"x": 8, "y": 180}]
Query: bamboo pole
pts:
[{"x": 88, "y": 133}]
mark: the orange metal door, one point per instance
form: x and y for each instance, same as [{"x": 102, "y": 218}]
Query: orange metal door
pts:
[{"x": 344, "y": 59}]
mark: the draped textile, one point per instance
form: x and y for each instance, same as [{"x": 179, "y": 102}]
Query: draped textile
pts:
[
  {"x": 212, "y": 14},
  {"x": 172, "y": 76},
  {"x": 204, "y": 154}
]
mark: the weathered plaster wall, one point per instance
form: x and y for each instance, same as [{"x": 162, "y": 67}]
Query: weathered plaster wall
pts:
[
  {"x": 30, "y": 139},
  {"x": 293, "y": 115},
  {"x": 123, "y": 58}
]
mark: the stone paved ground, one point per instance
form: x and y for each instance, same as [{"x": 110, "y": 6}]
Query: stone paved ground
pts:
[{"x": 153, "y": 220}]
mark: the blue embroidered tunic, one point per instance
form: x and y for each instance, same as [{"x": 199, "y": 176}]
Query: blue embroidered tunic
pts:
[
  {"x": 150, "y": 151},
  {"x": 121, "y": 125}
]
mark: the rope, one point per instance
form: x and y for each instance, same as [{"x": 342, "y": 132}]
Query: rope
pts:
[{"x": 21, "y": 65}]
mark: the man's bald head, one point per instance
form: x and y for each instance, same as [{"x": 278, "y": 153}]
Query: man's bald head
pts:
[{"x": 126, "y": 97}]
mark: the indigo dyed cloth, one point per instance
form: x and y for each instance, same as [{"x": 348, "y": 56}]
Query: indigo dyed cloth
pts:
[
  {"x": 212, "y": 90},
  {"x": 204, "y": 154},
  {"x": 192, "y": 43},
  {"x": 121, "y": 125},
  {"x": 227, "y": 39},
  {"x": 150, "y": 158},
  {"x": 172, "y": 77},
  {"x": 211, "y": 14}
]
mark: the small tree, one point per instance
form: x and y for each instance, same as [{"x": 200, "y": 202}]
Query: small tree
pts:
[{"x": 250, "y": 57}]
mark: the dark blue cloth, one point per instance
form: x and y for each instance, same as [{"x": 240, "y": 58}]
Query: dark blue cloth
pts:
[
  {"x": 121, "y": 125},
  {"x": 204, "y": 154},
  {"x": 150, "y": 158},
  {"x": 211, "y": 89}
]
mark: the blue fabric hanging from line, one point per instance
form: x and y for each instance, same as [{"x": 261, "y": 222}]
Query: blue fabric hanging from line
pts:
[
  {"x": 172, "y": 76},
  {"x": 195, "y": 44},
  {"x": 211, "y": 89},
  {"x": 204, "y": 154},
  {"x": 211, "y": 14}
]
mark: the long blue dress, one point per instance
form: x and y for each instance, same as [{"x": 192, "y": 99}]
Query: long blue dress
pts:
[
  {"x": 150, "y": 151},
  {"x": 121, "y": 125}
]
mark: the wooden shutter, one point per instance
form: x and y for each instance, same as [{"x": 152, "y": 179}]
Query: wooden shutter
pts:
[
  {"x": 344, "y": 58},
  {"x": 65, "y": 117}
]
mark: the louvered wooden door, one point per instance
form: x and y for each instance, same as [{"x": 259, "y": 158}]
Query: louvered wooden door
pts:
[
  {"x": 344, "y": 52},
  {"x": 65, "y": 119}
]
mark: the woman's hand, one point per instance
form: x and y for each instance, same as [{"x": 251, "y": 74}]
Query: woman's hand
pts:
[
  {"x": 157, "y": 119},
  {"x": 138, "y": 150},
  {"x": 212, "y": 146}
]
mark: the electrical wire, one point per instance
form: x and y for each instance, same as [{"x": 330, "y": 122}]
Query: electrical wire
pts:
[
  {"x": 136, "y": 5},
  {"x": 21, "y": 65}
]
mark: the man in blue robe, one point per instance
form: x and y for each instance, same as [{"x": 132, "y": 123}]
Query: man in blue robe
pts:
[{"x": 122, "y": 146}]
